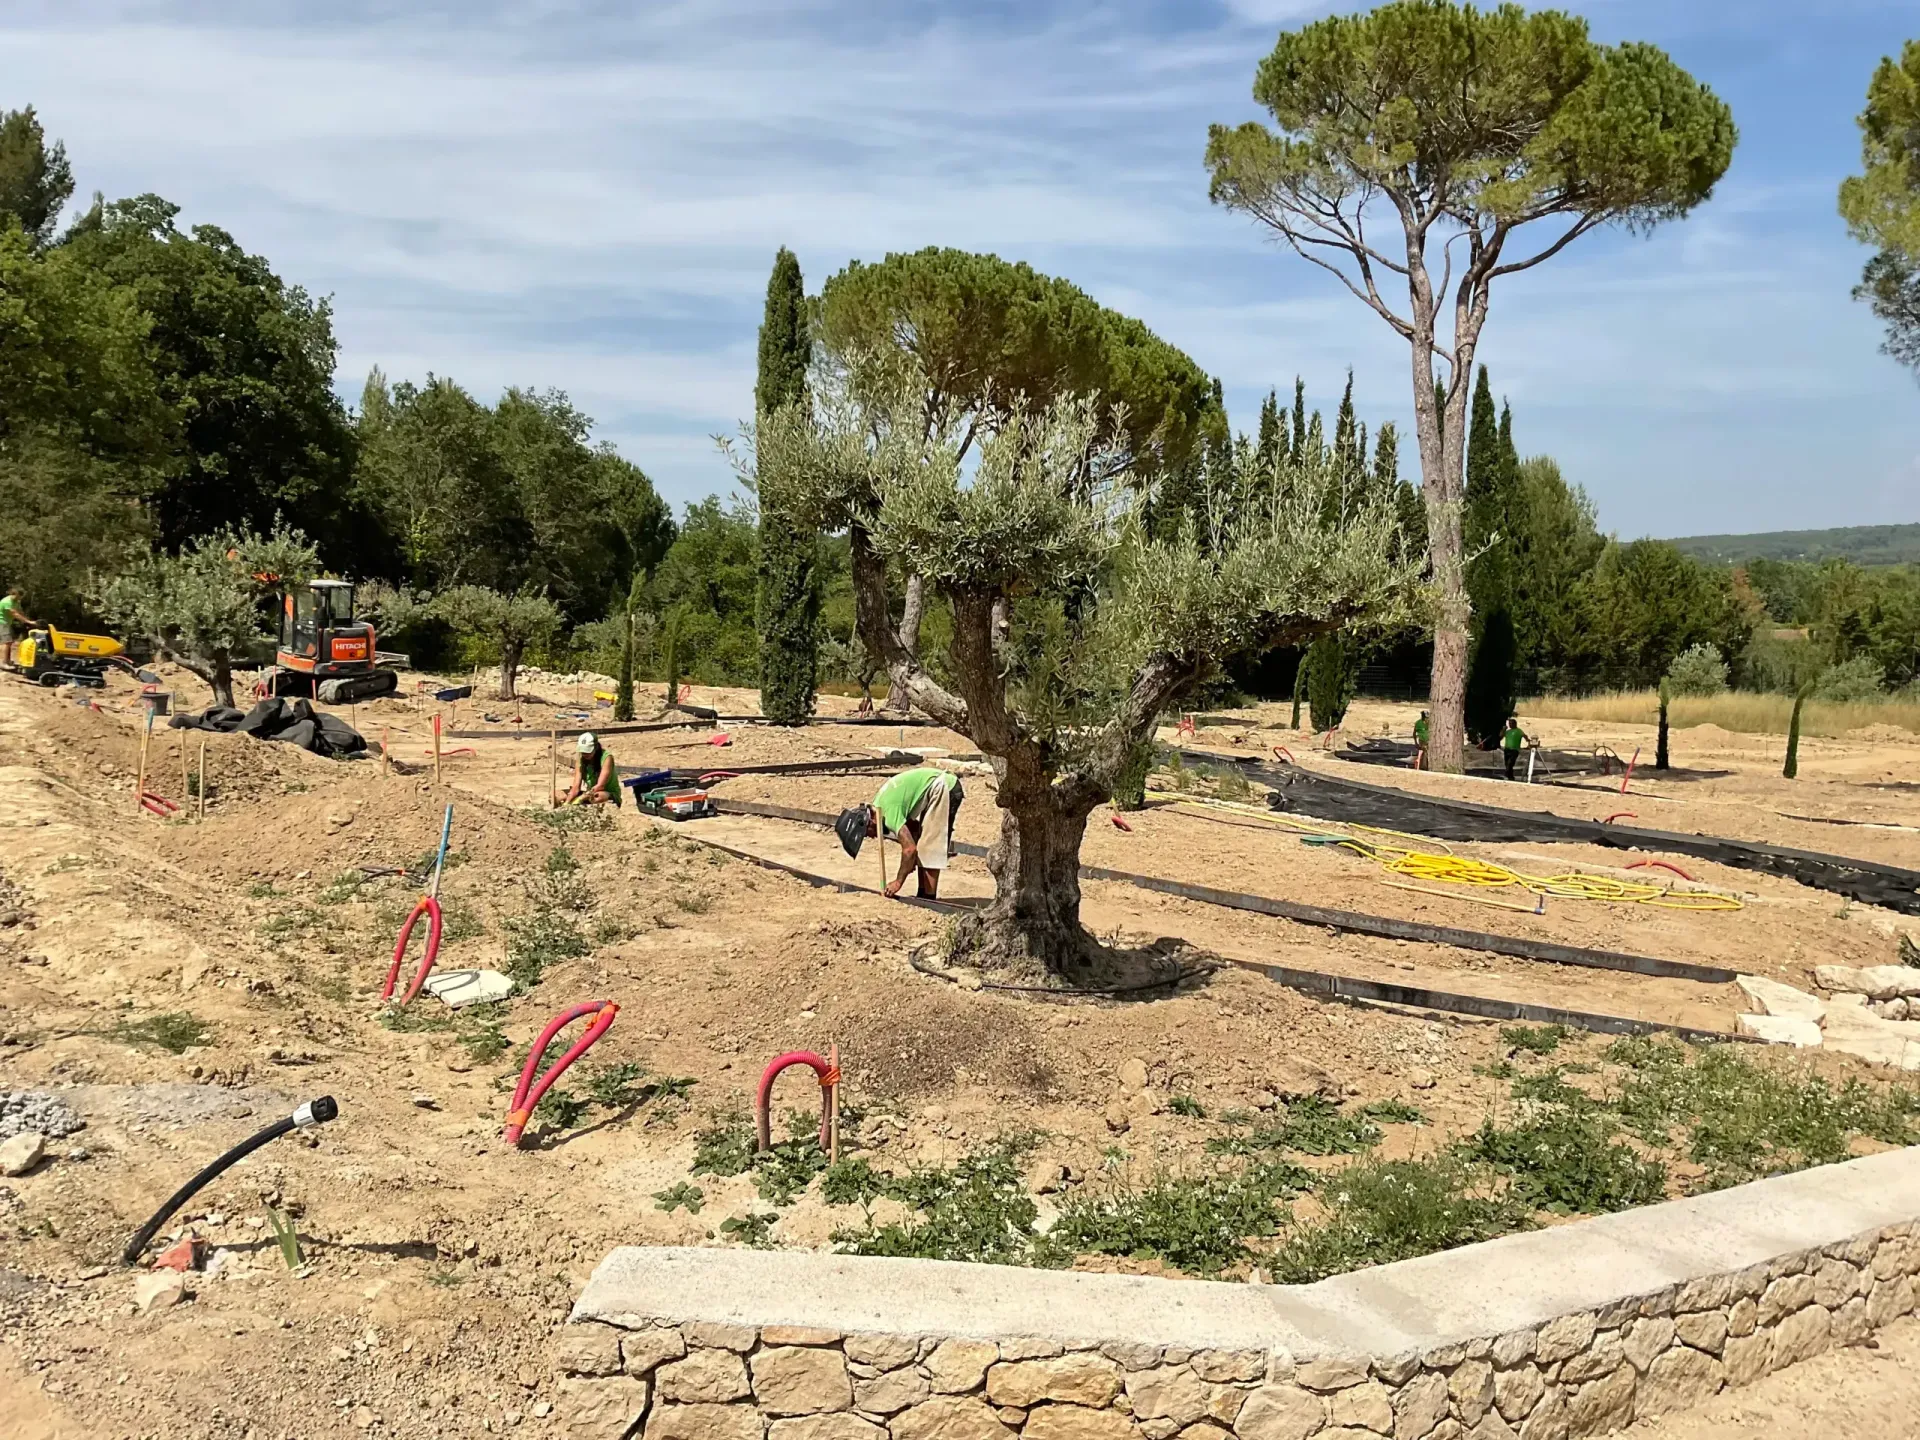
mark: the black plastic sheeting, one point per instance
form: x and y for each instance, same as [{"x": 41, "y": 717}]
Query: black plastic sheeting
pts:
[
  {"x": 1329, "y": 798},
  {"x": 1351, "y": 922},
  {"x": 1399, "y": 753},
  {"x": 293, "y": 722}
]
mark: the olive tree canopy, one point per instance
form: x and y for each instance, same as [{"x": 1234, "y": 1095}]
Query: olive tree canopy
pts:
[
  {"x": 1073, "y": 628},
  {"x": 1432, "y": 148}
]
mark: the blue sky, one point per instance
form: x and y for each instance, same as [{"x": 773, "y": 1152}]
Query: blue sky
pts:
[{"x": 587, "y": 195}]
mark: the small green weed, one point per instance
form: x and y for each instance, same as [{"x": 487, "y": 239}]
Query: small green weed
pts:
[
  {"x": 725, "y": 1147},
  {"x": 1199, "y": 1223},
  {"x": 754, "y": 1229},
  {"x": 536, "y": 941},
  {"x": 612, "y": 929},
  {"x": 571, "y": 820},
  {"x": 561, "y": 1109},
  {"x": 459, "y": 921},
  {"x": 1380, "y": 1211},
  {"x": 1308, "y": 1125},
  {"x": 1570, "y": 1161},
  {"x": 977, "y": 1210},
  {"x": 693, "y": 902},
  {"x": 288, "y": 923},
  {"x": 262, "y": 890},
  {"x": 1188, "y": 1106},
  {"x": 1538, "y": 1039},
  {"x": 345, "y": 887},
  {"x": 175, "y": 1031},
  {"x": 413, "y": 1019},
  {"x": 684, "y": 1196},
  {"x": 284, "y": 1234},
  {"x": 1394, "y": 1112}
]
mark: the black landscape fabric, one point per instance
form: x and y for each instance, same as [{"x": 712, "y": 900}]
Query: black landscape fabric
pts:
[
  {"x": 292, "y": 722},
  {"x": 1327, "y": 798}
]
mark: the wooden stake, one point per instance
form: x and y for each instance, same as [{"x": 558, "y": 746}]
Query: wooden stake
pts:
[
  {"x": 436, "y": 749},
  {"x": 880, "y": 826},
  {"x": 203, "y": 779},
  {"x": 553, "y": 767},
  {"x": 140, "y": 785},
  {"x": 386, "y": 749},
  {"x": 833, "y": 1112},
  {"x": 186, "y": 790}
]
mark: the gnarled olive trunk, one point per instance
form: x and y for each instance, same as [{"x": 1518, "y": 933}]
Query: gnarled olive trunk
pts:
[
  {"x": 1033, "y": 923},
  {"x": 510, "y": 653}
]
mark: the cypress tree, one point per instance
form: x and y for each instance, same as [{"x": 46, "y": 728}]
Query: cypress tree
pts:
[
  {"x": 1270, "y": 444},
  {"x": 623, "y": 687},
  {"x": 1330, "y": 676},
  {"x": 1491, "y": 476},
  {"x": 789, "y": 591},
  {"x": 1348, "y": 452},
  {"x": 1299, "y": 445},
  {"x": 673, "y": 657},
  {"x": 1792, "y": 768}
]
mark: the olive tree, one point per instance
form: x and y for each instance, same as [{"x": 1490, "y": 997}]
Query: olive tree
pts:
[
  {"x": 509, "y": 621},
  {"x": 1074, "y": 630},
  {"x": 202, "y": 608},
  {"x": 1425, "y": 145}
]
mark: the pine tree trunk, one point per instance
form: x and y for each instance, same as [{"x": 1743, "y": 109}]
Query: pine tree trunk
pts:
[
  {"x": 1660, "y": 742},
  {"x": 510, "y": 653},
  {"x": 1033, "y": 925},
  {"x": 623, "y": 691},
  {"x": 673, "y": 662}
]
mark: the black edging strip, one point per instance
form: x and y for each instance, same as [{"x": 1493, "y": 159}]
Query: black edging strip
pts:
[
  {"x": 1310, "y": 982},
  {"x": 1344, "y": 987},
  {"x": 1867, "y": 881},
  {"x": 1350, "y": 921}
]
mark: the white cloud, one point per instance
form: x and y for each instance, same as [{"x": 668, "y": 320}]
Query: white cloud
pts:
[{"x": 588, "y": 196}]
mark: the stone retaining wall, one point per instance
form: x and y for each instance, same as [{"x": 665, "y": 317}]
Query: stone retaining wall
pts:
[{"x": 1555, "y": 1334}]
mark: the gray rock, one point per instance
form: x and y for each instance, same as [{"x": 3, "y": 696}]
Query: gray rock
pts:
[{"x": 20, "y": 1153}]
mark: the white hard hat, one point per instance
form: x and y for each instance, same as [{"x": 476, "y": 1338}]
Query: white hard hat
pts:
[{"x": 586, "y": 743}]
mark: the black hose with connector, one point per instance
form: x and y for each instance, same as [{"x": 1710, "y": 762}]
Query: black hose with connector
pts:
[{"x": 314, "y": 1112}]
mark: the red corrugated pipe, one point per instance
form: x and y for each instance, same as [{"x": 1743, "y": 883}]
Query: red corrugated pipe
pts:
[
  {"x": 1662, "y": 864},
  {"x": 762, "y": 1106},
  {"x": 527, "y": 1094},
  {"x": 429, "y": 907},
  {"x": 1619, "y": 815}
]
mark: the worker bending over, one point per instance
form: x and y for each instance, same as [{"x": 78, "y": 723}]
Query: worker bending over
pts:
[
  {"x": 12, "y": 618},
  {"x": 917, "y": 808},
  {"x": 596, "y": 779},
  {"x": 1512, "y": 740}
]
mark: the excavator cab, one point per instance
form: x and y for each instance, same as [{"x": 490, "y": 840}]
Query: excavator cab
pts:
[{"x": 324, "y": 652}]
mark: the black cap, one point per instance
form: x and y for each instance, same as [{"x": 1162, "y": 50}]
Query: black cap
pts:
[{"x": 851, "y": 827}]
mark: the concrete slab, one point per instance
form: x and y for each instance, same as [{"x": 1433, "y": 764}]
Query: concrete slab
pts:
[
  {"x": 1480, "y": 1290},
  {"x": 1858, "y": 1031},
  {"x": 460, "y": 988},
  {"x": 1782, "y": 1029},
  {"x": 1774, "y": 998}
]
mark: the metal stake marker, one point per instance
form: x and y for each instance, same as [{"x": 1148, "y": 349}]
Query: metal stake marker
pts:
[
  {"x": 439, "y": 864},
  {"x": 553, "y": 768},
  {"x": 203, "y": 779},
  {"x": 186, "y": 785}
]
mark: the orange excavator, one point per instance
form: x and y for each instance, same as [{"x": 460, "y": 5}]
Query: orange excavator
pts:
[{"x": 324, "y": 652}]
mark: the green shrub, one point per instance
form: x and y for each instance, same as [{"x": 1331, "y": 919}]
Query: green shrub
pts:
[
  {"x": 1698, "y": 670},
  {"x": 1539, "y": 1039},
  {"x": 1199, "y": 1223},
  {"x": 1307, "y": 1125},
  {"x": 977, "y": 1210},
  {"x": 175, "y": 1031},
  {"x": 1851, "y": 681},
  {"x": 1568, "y": 1161}
]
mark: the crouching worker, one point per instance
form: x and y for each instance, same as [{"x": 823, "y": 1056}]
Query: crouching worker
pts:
[
  {"x": 596, "y": 779},
  {"x": 917, "y": 808}
]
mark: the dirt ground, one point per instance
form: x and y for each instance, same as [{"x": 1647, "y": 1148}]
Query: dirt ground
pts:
[{"x": 437, "y": 1260}]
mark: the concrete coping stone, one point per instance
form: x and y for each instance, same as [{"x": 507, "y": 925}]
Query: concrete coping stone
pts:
[{"x": 1503, "y": 1285}]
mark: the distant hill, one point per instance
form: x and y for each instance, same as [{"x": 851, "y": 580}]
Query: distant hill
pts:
[{"x": 1862, "y": 544}]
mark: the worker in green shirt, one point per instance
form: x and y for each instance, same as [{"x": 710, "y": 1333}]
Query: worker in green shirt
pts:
[
  {"x": 1421, "y": 733},
  {"x": 1512, "y": 741},
  {"x": 596, "y": 779},
  {"x": 12, "y": 620},
  {"x": 916, "y": 807}
]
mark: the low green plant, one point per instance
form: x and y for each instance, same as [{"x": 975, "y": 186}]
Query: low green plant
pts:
[
  {"x": 345, "y": 887},
  {"x": 1394, "y": 1112},
  {"x": 546, "y": 937},
  {"x": 684, "y": 1196},
  {"x": 754, "y": 1229},
  {"x": 976, "y": 1209},
  {"x": 459, "y": 921},
  {"x": 1568, "y": 1160},
  {"x": 725, "y": 1147},
  {"x": 285, "y": 1236},
  {"x": 1306, "y": 1124},
  {"x": 1380, "y": 1211},
  {"x": 174, "y": 1031},
  {"x": 561, "y": 1109},
  {"x": 1536, "y": 1039},
  {"x": 693, "y": 902},
  {"x": 1200, "y": 1223},
  {"x": 1187, "y": 1106},
  {"x": 261, "y": 890},
  {"x": 570, "y": 819}
]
